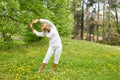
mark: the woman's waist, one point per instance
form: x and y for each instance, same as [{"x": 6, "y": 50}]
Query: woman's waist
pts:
[{"x": 56, "y": 43}]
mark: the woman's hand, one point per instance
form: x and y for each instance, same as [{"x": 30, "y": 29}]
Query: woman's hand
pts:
[
  {"x": 31, "y": 26},
  {"x": 35, "y": 21}
]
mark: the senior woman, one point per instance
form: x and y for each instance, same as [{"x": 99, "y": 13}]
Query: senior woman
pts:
[{"x": 55, "y": 46}]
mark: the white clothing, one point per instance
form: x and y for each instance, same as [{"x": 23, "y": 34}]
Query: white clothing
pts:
[
  {"x": 55, "y": 45},
  {"x": 57, "y": 52},
  {"x": 53, "y": 35}
]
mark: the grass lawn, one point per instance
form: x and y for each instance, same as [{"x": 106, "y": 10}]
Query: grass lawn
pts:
[{"x": 80, "y": 60}]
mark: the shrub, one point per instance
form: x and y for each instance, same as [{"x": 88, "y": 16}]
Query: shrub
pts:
[{"x": 114, "y": 40}]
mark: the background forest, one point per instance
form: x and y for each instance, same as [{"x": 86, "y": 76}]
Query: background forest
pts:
[{"x": 91, "y": 20}]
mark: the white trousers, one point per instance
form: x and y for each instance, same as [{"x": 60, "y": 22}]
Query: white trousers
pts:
[{"x": 57, "y": 52}]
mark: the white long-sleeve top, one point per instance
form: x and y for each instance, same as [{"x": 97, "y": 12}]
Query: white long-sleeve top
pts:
[{"x": 53, "y": 35}]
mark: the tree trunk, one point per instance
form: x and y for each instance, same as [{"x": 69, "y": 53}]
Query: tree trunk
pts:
[
  {"x": 74, "y": 17},
  {"x": 103, "y": 33},
  {"x": 6, "y": 38},
  {"x": 82, "y": 21},
  {"x": 97, "y": 27},
  {"x": 117, "y": 22},
  {"x": 109, "y": 26},
  {"x": 88, "y": 24}
]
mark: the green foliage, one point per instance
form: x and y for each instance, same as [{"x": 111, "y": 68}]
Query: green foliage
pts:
[
  {"x": 19, "y": 13},
  {"x": 8, "y": 19},
  {"x": 61, "y": 15},
  {"x": 55, "y": 11},
  {"x": 29, "y": 36},
  {"x": 87, "y": 61}
]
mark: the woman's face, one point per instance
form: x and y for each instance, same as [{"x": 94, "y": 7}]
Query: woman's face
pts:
[{"x": 45, "y": 27}]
